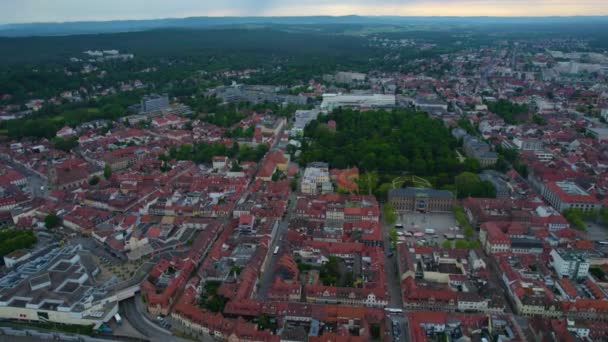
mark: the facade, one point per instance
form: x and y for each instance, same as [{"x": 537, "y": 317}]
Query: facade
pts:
[
  {"x": 421, "y": 200},
  {"x": 333, "y": 101},
  {"x": 316, "y": 179},
  {"x": 570, "y": 264},
  {"x": 528, "y": 144},
  {"x": 493, "y": 240},
  {"x": 568, "y": 195}
]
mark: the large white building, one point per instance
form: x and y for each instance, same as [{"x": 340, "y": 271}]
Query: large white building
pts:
[
  {"x": 570, "y": 264},
  {"x": 61, "y": 286},
  {"x": 333, "y": 101}
]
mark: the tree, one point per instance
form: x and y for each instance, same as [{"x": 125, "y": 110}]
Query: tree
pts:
[
  {"x": 447, "y": 244},
  {"x": 65, "y": 145},
  {"x": 374, "y": 330},
  {"x": 462, "y": 244},
  {"x": 51, "y": 221},
  {"x": 392, "y": 235},
  {"x": 293, "y": 184},
  {"x": 470, "y": 185},
  {"x": 390, "y": 216},
  {"x": 368, "y": 183},
  {"x": 575, "y": 217},
  {"x": 107, "y": 171},
  {"x": 94, "y": 180}
]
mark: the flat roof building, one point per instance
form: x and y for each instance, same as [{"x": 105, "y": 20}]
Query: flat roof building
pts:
[
  {"x": 60, "y": 286},
  {"x": 333, "y": 101}
]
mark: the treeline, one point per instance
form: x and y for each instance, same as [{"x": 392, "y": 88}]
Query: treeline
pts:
[
  {"x": 12, "y": 240},
  {"x": 204, "y": 153},
  {"x": 577, "y": 217},
  {"x": 46, "y": 122},
  {"x": 507, "y": 110}
]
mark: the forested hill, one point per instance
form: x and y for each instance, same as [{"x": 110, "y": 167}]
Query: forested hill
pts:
[
  {"x": 168, "y": 43},
  {"x": 94, "y": 27}
]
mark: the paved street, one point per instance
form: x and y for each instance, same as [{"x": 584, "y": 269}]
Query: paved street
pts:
[
  {"x": 394, "y": 287},
  {"x": 268, "y": 273},
  {"x": 37, "y": 185},
  {"x": 142, "y": 324}
]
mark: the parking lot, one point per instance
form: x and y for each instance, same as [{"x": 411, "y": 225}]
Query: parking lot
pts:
[{"x": 426, "y": 228}]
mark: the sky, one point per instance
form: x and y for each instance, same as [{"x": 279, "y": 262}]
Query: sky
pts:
[{"x": 22, "y": 11}]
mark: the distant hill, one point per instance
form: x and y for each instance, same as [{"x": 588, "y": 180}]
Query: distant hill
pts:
[{"x": 88, "y": 27}]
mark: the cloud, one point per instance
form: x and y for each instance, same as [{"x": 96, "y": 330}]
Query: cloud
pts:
[{"x": 12, "y": 11}]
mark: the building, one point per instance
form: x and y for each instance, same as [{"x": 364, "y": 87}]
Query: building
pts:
[
  {"x": 493, "y": 239},
  {"x": 303, "y": 118},
  {"x": 498, "y": 182},
  {"x": 333, "y": 101},
  {"x": 15, "y": 257},
  {"x": 430, "y": 105},
  {"x": 421, "y": 200},
  {"x": 154, "y": 102},
  {"x": 528, "y": 144},
  {"x": 600, "y": 134},
  {"x": 60, "y": 286},
  {"x": 350, "y": 77},
  {"x": 316, "y": 179},
  {"x": 566, "y": 195},
  {"x": 570, "y": 264},
  {"x": 474, "y": 148}
]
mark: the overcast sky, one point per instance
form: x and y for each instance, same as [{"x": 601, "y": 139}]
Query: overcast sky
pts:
[{"x": 19, "y": 11}]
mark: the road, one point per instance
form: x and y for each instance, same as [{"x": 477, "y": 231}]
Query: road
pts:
[
  {"x": 393, "y": 286},
  {"x": 38, "y": 186},
  {"x": 139, "y": 321},
  {"x": 268, "y": 272}
]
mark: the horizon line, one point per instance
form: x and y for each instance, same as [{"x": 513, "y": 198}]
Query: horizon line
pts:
[{"x": 311, "y": 16}]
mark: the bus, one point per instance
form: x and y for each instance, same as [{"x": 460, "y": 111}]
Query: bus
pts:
[
  {"x": 393, "y": 310},
  {"x": 276, "y": 250}
]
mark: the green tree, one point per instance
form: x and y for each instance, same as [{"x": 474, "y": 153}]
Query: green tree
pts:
[
  {"x": 390, "y": 215},
  {"x": 470, "y": 185},
  {"x": 447, "y": 244},
  {"x": 107, "y": 171},
  {"x": 462, "y": 244},
  {"x": 51, "y": 221},
  {"x": 368, "y": 183},
  {"x": 65, "y": 145},
  {"x": 94, "y": 180}
]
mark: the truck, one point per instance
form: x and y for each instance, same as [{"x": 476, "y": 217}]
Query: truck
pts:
[
  {"x": 118, "y": 319},
  {"x": 429, "y": 231}
]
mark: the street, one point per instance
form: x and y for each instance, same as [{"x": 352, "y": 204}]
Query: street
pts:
[
  {"x": 135, "y": 316},
  {"x": 268, "y": 273},
  {"x": 393, "y": 286},
  {"x": 37, "y": 185}
]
